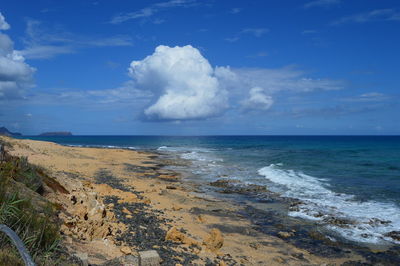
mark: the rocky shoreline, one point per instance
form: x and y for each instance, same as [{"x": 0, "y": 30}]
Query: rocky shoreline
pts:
[
  {"x": 117, "y": 203},
  {"x": 305, "y": 235}
]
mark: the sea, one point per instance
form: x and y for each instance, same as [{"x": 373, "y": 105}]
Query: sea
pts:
[{"x": 352, "y": 179}]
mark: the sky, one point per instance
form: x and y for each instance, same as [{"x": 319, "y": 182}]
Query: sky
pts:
[{"x": 191, "y": 67}]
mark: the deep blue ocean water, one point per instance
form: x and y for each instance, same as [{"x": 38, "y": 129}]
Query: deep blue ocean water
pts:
[{"x": 354, "y": 178}]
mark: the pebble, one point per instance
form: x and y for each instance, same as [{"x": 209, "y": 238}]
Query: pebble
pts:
[
  {"x": 126, "y": 250},
  {"x": 149, "y": 258},
  {"x": 284, "y": 234}
]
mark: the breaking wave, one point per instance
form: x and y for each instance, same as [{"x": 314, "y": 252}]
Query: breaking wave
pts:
[{"x": 368, "y": 221}]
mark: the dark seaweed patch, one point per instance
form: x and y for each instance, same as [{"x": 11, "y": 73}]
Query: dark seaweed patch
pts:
[
  {"x": 144, "y": 231},
  {"x": 145, "y": 226}
]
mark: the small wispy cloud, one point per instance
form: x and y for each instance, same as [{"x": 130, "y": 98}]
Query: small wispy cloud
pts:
[
  {"x": 232, "y": 39},
  {"x": 368, "y": 97},
  {"x": 158, "y": 21},
  {"x": 46, "y": 51},
  {"x": 48, "y": 10},
  {"x": 258, "y": 55},
  {"x": 321, "y": 3},
  {"x": 256, "y": 32},
  {"x": 125, "y": 94},
  {"x": 235, "y": 10},
  {"x": 333, "y": 111},
  {"x": 119, "y": 40},
  {"x": 112, "y": 64},
  {"x": 306, "y": 32},
  {"x": 283, "y": 79},
  {"x": 44, "y": 43},
  {"x": 257, "y": 100},
  {"x": 150, "y": 10},
  {"x": 388, "y": 14}
]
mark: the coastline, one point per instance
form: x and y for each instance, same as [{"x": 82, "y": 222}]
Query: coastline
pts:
[{"x": 121, "y": 201}]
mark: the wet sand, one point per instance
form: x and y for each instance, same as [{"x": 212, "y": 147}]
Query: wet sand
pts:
[{"x": 118, "y": 202}]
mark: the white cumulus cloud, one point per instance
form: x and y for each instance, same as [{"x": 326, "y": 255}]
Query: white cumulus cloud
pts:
[
  {"x": 257, "y": 100},
  {"x": 183, "y": 82},
  {"x": 182, "y": 85},
  {"x": 15, "y": 74}
]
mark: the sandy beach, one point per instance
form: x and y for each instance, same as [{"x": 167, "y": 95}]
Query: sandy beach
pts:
[{"x": 116, "y": 202}]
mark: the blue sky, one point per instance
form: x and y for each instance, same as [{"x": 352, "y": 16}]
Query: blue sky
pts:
[{"x": 190, "y": 67}]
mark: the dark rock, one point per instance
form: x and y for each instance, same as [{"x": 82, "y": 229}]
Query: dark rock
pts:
[
  {"x": 224, "y": 183},
  {"x": 140, "y": 169},
  {"x": 376, "y": 221},
  {"x": 230, "y": 186},
  {"x": 283, "y": 234},
  {"x": 245, "y": 189},
  {"x": 394, "y": 235},
  {"x": 355, "y": 263},
  {"x": 299, "y": 256},
  {"x": 338, "y": 221},
  {"x": 318, "y": 236}
]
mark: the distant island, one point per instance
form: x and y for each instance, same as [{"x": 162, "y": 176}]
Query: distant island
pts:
[
  {"x": 5, "y": 132},
  {"x": 60, "y": 133}
]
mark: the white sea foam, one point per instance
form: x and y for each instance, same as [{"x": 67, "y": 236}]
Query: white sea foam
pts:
[
  {"x": 367, "y": 221},
  {"x": 162, "y": 148},
  {"x": 191, "y": 153},
  {"x": 102, "y": 146},
  {"x": 200, "y": 156},
  {"x": 74, "y": 145},
  {"x": 204, "y": 161}
]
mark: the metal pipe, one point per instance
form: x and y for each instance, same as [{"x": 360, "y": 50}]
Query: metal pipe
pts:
[{"x": 19, "y": 244}]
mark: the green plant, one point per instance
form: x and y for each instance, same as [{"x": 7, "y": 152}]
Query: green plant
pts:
[
  {"x": 20, "y": 170},
  {"x": 39, "y": 234},
  {"x": 35, "y": 226}
]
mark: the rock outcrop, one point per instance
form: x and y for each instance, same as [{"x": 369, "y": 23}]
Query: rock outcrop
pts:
[
  {"x": 214, "y": 241},
  {"x": 89, "y": 218},
  {"x": 175, "y": 235},
  {"x": 5, "y": 132}
]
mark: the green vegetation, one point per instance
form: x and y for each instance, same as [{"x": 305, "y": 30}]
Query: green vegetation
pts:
[
  {"x": 21, "y": 171},
  {"x": 9, "y": 257},
  {"x": 26, "y": 212}
]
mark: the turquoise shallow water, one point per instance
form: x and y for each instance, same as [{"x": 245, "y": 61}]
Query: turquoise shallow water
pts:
[{"x": 354, "y": 178}]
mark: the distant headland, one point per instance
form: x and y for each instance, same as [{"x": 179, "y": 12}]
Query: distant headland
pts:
[
  {"x": 5, "y": 132},
  {"x": 59, "y": 133}
]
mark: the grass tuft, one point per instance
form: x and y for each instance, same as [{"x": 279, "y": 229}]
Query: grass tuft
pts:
[{"x": 19, "y": 210}]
